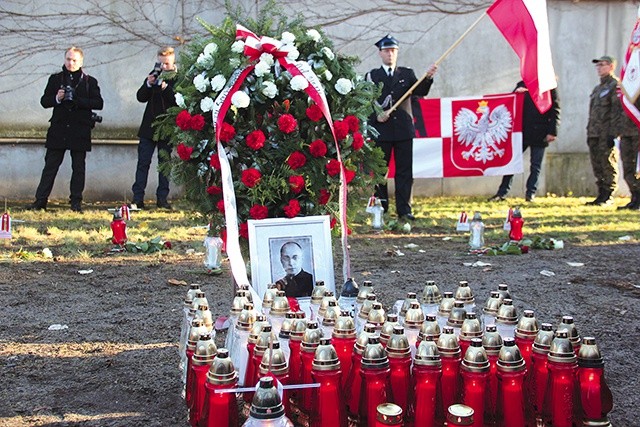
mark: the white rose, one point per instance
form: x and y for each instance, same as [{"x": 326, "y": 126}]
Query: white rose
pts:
[
  {"x": 328, "y": 53},
  {"x": 293, "y": 53},
  {"x": 202, "y": 59},
  {"x": 234, "y": 62},
  {"x": 328, "y": 75},
  {"x": 268, "y": 58},
  {"x": 240, "y": 99},
  {"x": 180, "y": 100},
  {"x": 262, "y": 68},
  {"x": 299, "y": 83},
  {"x": 314, "y": 35},
  {"x": 210, "y": 49},
  {"x": 201, "y": 82},
  {"x": 343, "y": 86},
  {"x": 218, "y": 82},
  {"x": 317, "y": 64},
  {"x": 269, "y": 89},
  {"x": 237, "y": 46},
  {"x": 206, "y": 104},
  {"x": 288, "y": 38}
]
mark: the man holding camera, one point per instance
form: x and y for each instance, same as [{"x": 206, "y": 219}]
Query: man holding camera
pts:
[
  {"x": 73, "y": 95},
  {"x": 157, "y": 92}
]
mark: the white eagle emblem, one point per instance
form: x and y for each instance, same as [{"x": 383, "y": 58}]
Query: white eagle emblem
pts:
[{"x": 483, "y": 134}]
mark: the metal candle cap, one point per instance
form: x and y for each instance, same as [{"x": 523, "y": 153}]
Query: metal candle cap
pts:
[
  {"x": 269, "y": 295},
  {"x": 414, "y": 317},
  {"x": 448, "y": 345},
  {"x": 205, "y": 350},
  {"x": 527, "y": 327},
  {"x": 471, "y": 327},
  {"x": 507, "y": 314},
  {"x": 280, "y": 305},
  {"x": 256, "y": 329},
  {"x": 387, "y": 327},
  {"x": 197, "y": 328},
  {"x": 589, "y": 354},
  {"x": 238, "y": 303},
  {"x": 446, "y": 304},
  {"x": 298, "y": 326},
  {"x": 364, "y": 291},
  {"x": 429, "y": 329},
  {"x": 191, "y": 293},
  {"x": 427, "y": 354},
  {"x": 475, "y": 359},
  {"x": 222, "y": 371},
  {"x": 201, "y": 299},
  {"x": 374, "y": 356},
  {"x": 350, "y": 289},
  {"x": 326, "y": 358},
  {"x": 245, "y": 288},
  {"x": 328, "y": 296},
  {"x": 503, "y": 290},
  {"x": 318, "y": 293},
  {"x": 363, "y": 339},
  {"x": 247, "y": 317},
  {"x": 411, "y": 297},
  {"x": 398, "y": 345},
  {"x": 311, "y": 337},
  {"x": 572, "y": 332},
  {"x": 285, "y": 328},
  {"x": 431, "y": 293},
  {"x": 561, "y": 350},
  {"x": 544, "y": 338},
  {"x": 389, "y": 414},
  {"x": 331, "y": 314},
  {"x": 366, "y": 306},
  {"x": 493, "y": 304},
  {"x": 464, "y": 292},
  {"x": 267, "y": 336},
  {"x": 266, "y": 404},
  {"x": 345, "y": 327},
  {"x": 457, "y": 314},
  {"x": 376, "y": 315},
  {"x": 491, "y": 340},
  {"x": 460, "y": 415},
  {"x": 274, "y": 361},
  {"x": 510, "y": 359}
]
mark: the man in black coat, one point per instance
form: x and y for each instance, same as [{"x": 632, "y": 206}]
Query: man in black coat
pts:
[
  {"x": 297, "y": 282},
  {"x": 73, "y": 95},
  {"x": 157, "y": 92},
  {"x": 538, "y": 130},
  {"x": 396, "y": 131}
]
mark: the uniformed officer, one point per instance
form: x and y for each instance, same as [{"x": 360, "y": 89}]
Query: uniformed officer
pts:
[
  {"x": 602, "y": 129},
  {"x": 396, "y": 130},
  {"x": 629, "y": 148}
]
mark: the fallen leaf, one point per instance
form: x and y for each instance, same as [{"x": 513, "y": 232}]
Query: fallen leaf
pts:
[{"x": 176, "y": 282}]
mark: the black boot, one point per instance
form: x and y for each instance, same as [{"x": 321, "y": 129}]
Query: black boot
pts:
[
  {"x": 634, "y": 204},
  {"x": 598, "y": 200},
  {"x": 606, "y": 200}
]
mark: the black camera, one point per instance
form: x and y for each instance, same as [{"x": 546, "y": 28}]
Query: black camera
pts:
[
  {"x": 69, "y": 93},
  {"x": 157, "y": 70},
  {"x": 95, "y": 118}
]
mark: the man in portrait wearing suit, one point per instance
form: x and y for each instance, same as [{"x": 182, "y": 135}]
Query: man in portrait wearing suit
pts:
[{"x": 297, "y": 282}]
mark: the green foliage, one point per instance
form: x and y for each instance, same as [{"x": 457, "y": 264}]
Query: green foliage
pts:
[{"x": 154, "y": 245}]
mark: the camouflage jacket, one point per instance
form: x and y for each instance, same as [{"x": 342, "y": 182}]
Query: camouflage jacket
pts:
[
  {"x": 628, "y": 126},
  {"x": 604, "y": 109}
]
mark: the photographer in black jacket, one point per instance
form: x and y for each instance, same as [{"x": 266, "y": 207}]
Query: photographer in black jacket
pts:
[
  {"x": 73, "y": 95},
  {"x": 157, "y": 92}
]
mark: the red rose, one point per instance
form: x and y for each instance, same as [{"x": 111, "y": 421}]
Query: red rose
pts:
[
  {"x": 184, "y": 152},
  {"x": 220, "y": 206},
  {"x": 214, "y": 190},
  {"x": 318, "y": 148},
  {"x": 333, "y": 167},
  {"x": 341, "y": 129},
  {"x": 243, "y": 230},
  {"x": 183, "y": 120},
  {"x": 296, "y": 183},
  {"x": 358, "y": 141},
  {"x": 333, "y": 222},
  {"x": 227, "y": 132},
  {"x": 255, "y": 139},
  {"x": 250, "y": 177},
  {"x": 296, "y": 160},
  {"x": 258, "y": 212},
  {"x": 167, "y": 245},
  {"x": 314, "y": 113},
  {"x": 292, "y": 209},
  {"x": 287, "y": 123},
  {"x": 323, "y": 199},
  {"x": 215, "y": 161},
  {"x": 353, "y": 122},
  {"x": 349, "y": 175},
  {"x": 197, "y": 122}
]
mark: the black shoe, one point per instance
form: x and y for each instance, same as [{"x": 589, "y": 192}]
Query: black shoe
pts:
[
  {"x": 37, "y": 206},
  {"x": 408, "y": 217},
  {"x": 529, "y": 197},
  {"x": 76, "y": 207},
  {"x": 163, "y": 204},
  {"x": 496, "y": 198},
  {"x": 633, "y": 205},
  {"x": 136, "y": 204}
]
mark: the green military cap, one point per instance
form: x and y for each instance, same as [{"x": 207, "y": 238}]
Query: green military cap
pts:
[{"x": 605, "y": 58}]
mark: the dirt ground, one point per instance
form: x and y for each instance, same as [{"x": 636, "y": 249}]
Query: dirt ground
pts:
[{"x": 116, "y": 363}]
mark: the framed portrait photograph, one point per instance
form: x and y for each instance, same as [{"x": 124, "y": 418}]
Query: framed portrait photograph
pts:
[{"x": 294, "y": 253}]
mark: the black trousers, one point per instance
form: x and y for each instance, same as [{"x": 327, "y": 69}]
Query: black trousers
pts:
[
  {"x": 403, "y": 157},
  {"x": 52, "y": 161}
]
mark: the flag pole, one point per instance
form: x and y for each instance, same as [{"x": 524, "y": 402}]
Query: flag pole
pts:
[{"x": 455, "y": 44}]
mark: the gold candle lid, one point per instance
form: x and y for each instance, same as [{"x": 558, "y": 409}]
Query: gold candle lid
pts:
[
  {"x": 285, "y": 328},
  {"x": 387, "y": 327},
  {"x": 345, "y": 327},
  {"x": 589, "y": 354},
  {"x": 366, "y": 306},
  {"x": 247, "y": 317},
  {"x": 298, "y": 326},
  {"x": 503, "y": 291},
  {"x": 471, "y": 327},
  {"x": 245, "y": 288},
  {"x": 457, "y": 314},
  {"x": 429, "y": 329},
  {"x": 460, "y": 415},
  {"x": 398, "y": 344},
  {"x": 205, "y": 350},
  {"x": 266, "y": 337},
  {"x": 446, "y": 304},
  {"x": 269, "y": 295},
  {"x": 274, "y": 361},
  {"x": 431, "y": 293},
  {"x": 507, "y": 313},
  {"x": 544, "y": 338},
  {"x": 266, "y": 404},
  {"x": 331, "y": 314},
  {"x": 318, "y": 292},
  {"x": 510, "y": 359},
  {"x": 561, "y": 350},
  {"x": 427, "y": 354},
  {"x": 363, "y": 339},
  {"x": 191, "y": 293},
  {"x": 464, "y": 292},
  {"x": 222, "y": 371},
  {"x": 324, "y": 304},
  {"x": 374, "y": 356},
  {"x": 389, "y": 414},
  {"x": 527, "y": 327},
  {"x": 311, "y": 337},
  {"x": 197, "y": 328},
  {"x": 406, "y": 305},
  {"x": 491, "y": 340},
  {"x": 572, "y": 332},
  {"x": 475, "y": 359},
  {"x": 376, "y": 315},
  {"x": 414, "y": 317},
  {"x": 448, "y": 345},
  {"x": 493, "y": 304},
  {"x": 364, "y": 291},
  {"x": 280, "y": 305},
  {"x": 256, "y": 329},
  {"x": 326, "y": 358}
]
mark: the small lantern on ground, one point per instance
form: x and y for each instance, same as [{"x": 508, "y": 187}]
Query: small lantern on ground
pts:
[
  {"x": 267, "y": 409},
  {"x": 220, "y": 409},
  {"x": 427, "y": 369},
  {"x": 476, "y": 238},
  {"x": 595, "y": 396},
  {"x": 475, "y": 373},
  {"x": 516, "y": 221},
  {"x": 118, "y": 228},
  {"x": 329, "y": 408},
  {"x": 562, "y": 365},
  {"x": 511, "y": 372}
]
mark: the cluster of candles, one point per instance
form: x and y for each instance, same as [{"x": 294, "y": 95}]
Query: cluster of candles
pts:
[{"x": 353, "y": 361}]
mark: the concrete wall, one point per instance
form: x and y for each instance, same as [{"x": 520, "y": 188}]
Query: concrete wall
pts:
[{"x": 482, "y": 64}]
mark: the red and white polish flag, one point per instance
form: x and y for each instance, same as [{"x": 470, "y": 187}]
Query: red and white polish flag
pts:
[
  {"x": 630, "y": 75},
  {"x": 467, "y": 136},
  {"x": 525, "y": 25}
]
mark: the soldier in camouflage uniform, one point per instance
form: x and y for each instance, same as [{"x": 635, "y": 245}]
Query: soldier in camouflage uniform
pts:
[
  {"x": 602, "y": 129},
  {"x": 629, "y": 146}
]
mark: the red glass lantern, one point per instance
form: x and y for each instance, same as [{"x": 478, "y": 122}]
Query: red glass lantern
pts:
[
  {"x": 399, "y": 355},
  {"x": 387, "y": 328},
  {"x": 310, "y": 342},
  {"x": 516, "y": 222},
  {"x": 470, "y": 329},
  {"x": 595, "y": 396},
  {"x": 343, "y": 338},
  {"x": 329, "y": 408},
  {"x": 430, "y": 330},
  {"x": 567, "y": 324},
  {"x": 119, "y": 229},
  {"x": 298, "y": 326},
  {"x": 220, "y": 409},
  {"x": 203, "y": 357},
  {"x": 388, "y": 415},
  {"x": 475, "y": 373},
  {"x": 354, "y": 380},
  {"x": 427, "y": 369},
  {"x": 197, "y": 329},
  {"x": 562, "y": 365},
  {"x": 450, "y": 357},
  {"x": 275, "y": 364},
  {"x": 525, "y": 335},
  {"x": 375, "y": 374},
  {"x": 539, "y": 375},
  {"x": 492, "y": 343},
  {"x": 511, "y": 372},
  {"x": 251, "y": 375}
]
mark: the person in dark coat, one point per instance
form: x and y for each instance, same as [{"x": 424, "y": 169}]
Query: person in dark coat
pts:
[
  {"x": 157, "y": 92},
  {"x": 538, "y": 130},
  {"x": 73, "y": 95},
  {"x": 396, "y": 131},
  {"x": 297, "y": 282}
]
